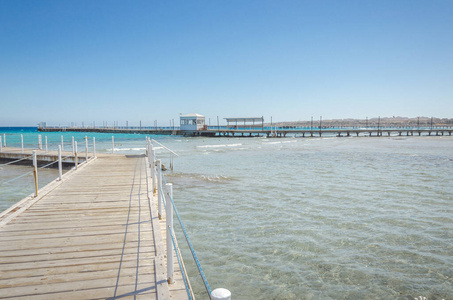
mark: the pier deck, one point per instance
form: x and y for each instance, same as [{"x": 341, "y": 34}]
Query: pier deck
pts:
[
  {"x": 12, "y": 153},
  {"x": 94, "y": 235}
]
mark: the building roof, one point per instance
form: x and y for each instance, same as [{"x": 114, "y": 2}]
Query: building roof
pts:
[{"x": 192, "y": 116}]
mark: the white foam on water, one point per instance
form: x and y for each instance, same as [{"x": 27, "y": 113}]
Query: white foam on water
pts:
[
  {"x": 219, "y": 146},
  {"x": 128, "y": 149}
]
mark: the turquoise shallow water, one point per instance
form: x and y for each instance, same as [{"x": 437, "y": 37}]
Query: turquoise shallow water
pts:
[{"x": 330, "y": 218}]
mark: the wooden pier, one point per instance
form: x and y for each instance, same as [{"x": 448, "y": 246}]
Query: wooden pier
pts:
[
  {"x": 12, "y": 153},
  {"x": 275, "y": 132},
  {"x": 94, "y": 234}
]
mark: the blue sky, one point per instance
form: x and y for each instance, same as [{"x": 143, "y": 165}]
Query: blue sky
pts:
[{"x": 84, "y": 61}]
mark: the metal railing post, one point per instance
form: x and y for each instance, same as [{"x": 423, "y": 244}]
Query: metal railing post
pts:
[
  {"x": 148, "y": 151},
  {"x": 35, "y": 172},
  {"x": 60, "y": 163},
  {"x": 94, "y": 146},
  {"x": 45, "y": 140},
  {"x": 39, "y": 142},
  {"x": 73, "y": 146},
  {"x": 169, "y": 223},
  {"x": 159, "y": 188},
  {"x": 62, "y": 148},
  {"x": 86, "y": 149},
  {"x": 4, "y": 140},
  {"x": 1, "y": 145},
  {"x": 113, "y": 143},
  {"x": 22, "y": 142},
  {"x": 75, "y": 155},
  {"x": 153, "y": 168}
]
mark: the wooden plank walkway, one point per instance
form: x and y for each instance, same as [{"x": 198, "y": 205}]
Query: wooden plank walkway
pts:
[{"x": 94, "y": 236}]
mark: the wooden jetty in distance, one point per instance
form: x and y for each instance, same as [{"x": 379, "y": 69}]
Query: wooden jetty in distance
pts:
[
  {"x": 93, "y": 234},
  {"x": 13, "y": 153},
  {"x": 223, "y": 131}
]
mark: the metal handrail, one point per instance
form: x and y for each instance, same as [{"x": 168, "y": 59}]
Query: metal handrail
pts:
[{"x": 166, "y": 148}]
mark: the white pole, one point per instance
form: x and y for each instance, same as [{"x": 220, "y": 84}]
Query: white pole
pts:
[
  {"x": 148, "y": 153},
  {"x": 86, "y": 149},
  {"x": 169, "y": 223},
  {"x": 113, "y": 143},
  {"x": 221, "y": 294},
  {"x": 4, "y": 140},
  {"x": 22, "y": 142},
  {"x": 1, "y": 144},
  {"x": 60, "y": 164},
  {"x": 73, "y": 146},
  {"x": 75, "y": 155},
  {"x": 62, "y": 143},
  {"x": 159, "y": 189},
  {"x": 39, "y": 142},
  {"x": 94, "y": 146},
  {"x": 153, "y": 169},
  {"x": 35, "y": 172},
  {"x": 45, "y": 139}
]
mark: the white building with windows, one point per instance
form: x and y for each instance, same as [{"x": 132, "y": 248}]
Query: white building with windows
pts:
[{"x": 192, "y": 122}]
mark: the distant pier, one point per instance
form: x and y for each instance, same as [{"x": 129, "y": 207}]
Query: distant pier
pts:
[{"x": 223, "y": 131}]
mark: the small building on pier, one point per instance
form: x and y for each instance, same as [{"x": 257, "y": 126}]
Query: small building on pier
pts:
[{"x": 192, "y": 122}]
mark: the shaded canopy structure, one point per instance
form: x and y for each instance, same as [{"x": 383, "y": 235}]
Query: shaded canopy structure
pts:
[{"x": 243, "y": 122}]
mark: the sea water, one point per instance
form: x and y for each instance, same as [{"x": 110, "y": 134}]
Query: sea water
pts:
[{"x": 311, "y": 218}]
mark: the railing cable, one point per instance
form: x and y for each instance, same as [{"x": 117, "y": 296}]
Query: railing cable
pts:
[
  {"x": 11, "y": 180},
  {"x": 15, "y": 161},
  {"x": 184, "y": 275},
  {"x": 45, "y": 166},
  {"x": 205, "y": 281}
]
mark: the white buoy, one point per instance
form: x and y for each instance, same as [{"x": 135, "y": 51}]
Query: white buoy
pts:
[{"x": 220, "y": 294}]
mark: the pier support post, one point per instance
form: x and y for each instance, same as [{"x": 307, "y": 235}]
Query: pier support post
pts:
[
  {"x": 75, "y": 155},
  {"x": 159, "y": 189},
  {"x": 169, "y": 223},
  {"x": 60, "y": 164},
  {"x": 35, "y": 172},
  {"x": 220, "y": 294},
  {"x": 22, "y": 142}
]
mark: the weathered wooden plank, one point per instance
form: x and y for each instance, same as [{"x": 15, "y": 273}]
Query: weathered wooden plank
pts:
[
  {"x": 79, "y": 269},
  {"x": 57, "y": 278},
  {"x": 129, "y": 284}
]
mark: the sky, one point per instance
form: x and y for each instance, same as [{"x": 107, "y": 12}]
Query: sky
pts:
[{"x": 105, "y": 61}]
